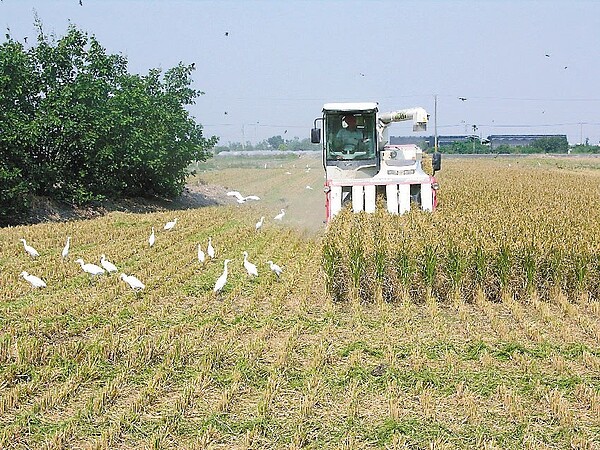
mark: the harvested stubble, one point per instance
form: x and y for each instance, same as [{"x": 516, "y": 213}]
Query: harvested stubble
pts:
[
  {"x": 275, "y": 363},
  {"x": 498, "y": 230}
]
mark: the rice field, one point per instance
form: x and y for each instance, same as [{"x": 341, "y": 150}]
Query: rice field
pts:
[{"x": 475, "y": 327}]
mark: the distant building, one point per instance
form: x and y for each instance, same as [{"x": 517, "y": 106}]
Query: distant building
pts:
[
  {"x": 422, "y": 141},
  {"x": 520, "y": 140},
  {"x": 429, "y": 141}
]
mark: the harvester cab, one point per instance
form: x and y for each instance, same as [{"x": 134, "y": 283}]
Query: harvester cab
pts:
[{"x": 360, "y": 164}]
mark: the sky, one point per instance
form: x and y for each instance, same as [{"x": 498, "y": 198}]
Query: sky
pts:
[{"x": 267, "y": 67}]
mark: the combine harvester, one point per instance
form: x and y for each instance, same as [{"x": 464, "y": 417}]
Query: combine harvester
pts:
[{"x": 360, "y": 164}]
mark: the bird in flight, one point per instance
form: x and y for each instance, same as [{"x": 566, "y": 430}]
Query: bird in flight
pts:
[
  {"x": 547, "y": 55},
  {"x": 227, "y": 33},
  {"x": 462, "y": 98},
  {"x": 241, "y": 198}
]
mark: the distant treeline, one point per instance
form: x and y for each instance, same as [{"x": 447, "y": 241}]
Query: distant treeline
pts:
[
  {"x": 543, "y": 145},
  {"x": 272, "y": 143}
]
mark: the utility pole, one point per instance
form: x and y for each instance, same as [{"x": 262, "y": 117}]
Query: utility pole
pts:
[
  {"x": 474, "y": 136},
  {"x": 435, "y": 139}
]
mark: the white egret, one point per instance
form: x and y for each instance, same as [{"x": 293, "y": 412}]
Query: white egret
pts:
[
  {"x": 259, "y": 224},
  {"x": 210, "y": 249},
  {"x": 309, "y": 188},
  {"x": 241, "y": 198},
  {"x": 280, "y": 215},
  {"x": 33, "y": 280},
  {"x": 201, "y": 256},
  {"x": 107, "y": 265},
  {"x": 275, "y": 268},
  {"x": 152, "y": 238},
  {"x": 170, "y": 225},
  {"x": 133, "y": 282},
  {"x": 222, "y": 279},
  {"x": 90, "y": 268},
  {"x": 29, "y": 249},
  {"x": 250, "y": 268},
  {"x": 65, "y": 251}
]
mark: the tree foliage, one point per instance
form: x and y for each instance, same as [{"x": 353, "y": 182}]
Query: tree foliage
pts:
[{"x": 76, "y": 126}]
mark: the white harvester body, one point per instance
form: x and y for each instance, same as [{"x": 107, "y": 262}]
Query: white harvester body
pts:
[{"x": 369, "y": 166}]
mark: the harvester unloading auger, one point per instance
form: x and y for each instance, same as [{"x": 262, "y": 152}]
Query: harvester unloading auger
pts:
[{"x": 360, "y": 164}]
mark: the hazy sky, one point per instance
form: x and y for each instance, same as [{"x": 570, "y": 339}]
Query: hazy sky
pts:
[{"x": 281, "y": 60}]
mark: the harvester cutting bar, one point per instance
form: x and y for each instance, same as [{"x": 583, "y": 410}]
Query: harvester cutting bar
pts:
[{"x": 398, "y": 197}]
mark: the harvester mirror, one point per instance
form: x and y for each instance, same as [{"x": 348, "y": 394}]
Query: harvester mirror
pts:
[
  {"x": 315, "y": 135},
  {"x": 436, "y": 161}
]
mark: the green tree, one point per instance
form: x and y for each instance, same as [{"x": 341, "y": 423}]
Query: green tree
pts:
[
  {"x": 76, "y": 126},
  {"x": 275, "y": 142},
  {"x": 550, "y": 144},
  {"x": 17, "y": 98}
]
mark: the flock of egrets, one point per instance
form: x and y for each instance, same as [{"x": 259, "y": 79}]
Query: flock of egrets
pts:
[
  {"x": 92, "y": 269},
  {"x": 107, "y": 266}
]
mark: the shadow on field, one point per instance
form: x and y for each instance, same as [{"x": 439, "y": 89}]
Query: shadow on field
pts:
[{"x": 46, "y": 210}]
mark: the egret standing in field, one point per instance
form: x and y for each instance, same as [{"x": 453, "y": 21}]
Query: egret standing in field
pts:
[
  {"x": 275, "y": 268},
  {"x": 210, "y": 250},
  {"x": 107, "y": 265},
  {"x": 222, "y": 279},
  {"x": 33, "y": 280},
  {"x": 65, "y": 251},
  {"x": 250, "y": 268},
  {"x": 133, "y": 282},
  {"x": 280, "y": 215},
  {"x": 170, "y": 225},
  {"x": 29, "y": 249},
  {"x": 90, "y": 268},
  {"x": 201, "y": 255},
  {"x": 152, "y": 238},
  {"x": 259, "y": 224}
]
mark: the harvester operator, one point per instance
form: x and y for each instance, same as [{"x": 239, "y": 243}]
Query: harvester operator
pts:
[{"x": 349, "y": 137}]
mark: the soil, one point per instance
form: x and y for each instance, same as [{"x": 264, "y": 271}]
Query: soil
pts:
[{"x": 193, "y": 196}]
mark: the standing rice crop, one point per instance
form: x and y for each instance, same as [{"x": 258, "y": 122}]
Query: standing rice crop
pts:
[{"x": 501, "y": 238}]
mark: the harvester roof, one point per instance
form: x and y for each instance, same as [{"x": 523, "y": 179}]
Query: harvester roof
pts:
[{"x": 357, "y": 106}]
